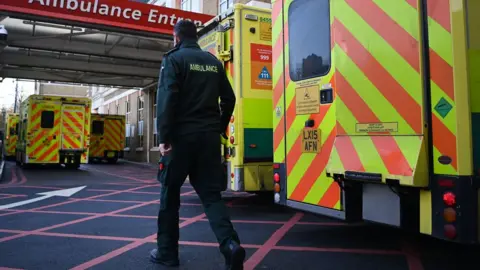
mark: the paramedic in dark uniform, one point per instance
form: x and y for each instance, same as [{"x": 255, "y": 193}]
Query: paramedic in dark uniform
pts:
[{"x": 190, "y": 121}]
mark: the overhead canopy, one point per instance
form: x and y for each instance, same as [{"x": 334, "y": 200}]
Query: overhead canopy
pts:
[{"x": 117, "y": 43}]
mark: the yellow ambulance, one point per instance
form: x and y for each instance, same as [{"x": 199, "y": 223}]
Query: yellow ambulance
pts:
[
  {"x": 107, "y": 137},
  {"x": 11, "y": 135},
  {"x": 241, "y": 39},
  {"x": 54, "y": 130},
  {"x": 377, "y": 112}
]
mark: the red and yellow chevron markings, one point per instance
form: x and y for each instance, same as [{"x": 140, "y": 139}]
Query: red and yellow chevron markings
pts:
[
  {"x": 442, "y": 82},
  {"x": 44, "y": 143},
  {"x": 113, "y": 134},
  {"x": 306, "y": 180},
  {"x": 376, "y": 47},
  {"x": 11, "y": 142},
  {"x": 388, "y": 64},
  {"x": 72, "y": 129},
  {"x": 86, "y": 135}
]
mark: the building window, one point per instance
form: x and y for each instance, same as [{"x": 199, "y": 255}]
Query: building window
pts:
[
  {"x": 309, "y": 39},
  {"x": 190, "y": 5},
  {"x": 140, "y": 117},
  {"x": 127, "y": 123},
  {"x": 154, "y": 117},
  {"x": 224, "y": 5}
]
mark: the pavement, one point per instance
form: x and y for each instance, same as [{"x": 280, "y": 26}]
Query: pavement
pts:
[{"x": 111, "y": 224}]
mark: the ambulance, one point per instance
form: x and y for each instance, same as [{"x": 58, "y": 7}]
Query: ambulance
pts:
[
  {"x": 107, "y": 137},
  {"x": 11, "y": 135},
  {"x": 376, "y": 112},
  {"x": 54, "y": 130},
  {"x": 241, "y": 39}
]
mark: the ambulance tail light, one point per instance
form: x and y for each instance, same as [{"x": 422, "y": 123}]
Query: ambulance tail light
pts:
[
  {"x": 232, "y": 119},
  {"x": 232, "y": 139},
  {"x": 447, "y": 183},
  {"x": 276, "y": 188},
  {"x": 450, "y": 231},
  {"x": 449, "y": 215},
  {"x": 449, "y": 198},
  {"x": 277, "y": 182}
]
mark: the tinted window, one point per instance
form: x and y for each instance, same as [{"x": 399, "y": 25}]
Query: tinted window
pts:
[
  {"x": 309, "y": 38},
  {"x": 47, "y": 120},
  {"x": 97, "y": 127}
]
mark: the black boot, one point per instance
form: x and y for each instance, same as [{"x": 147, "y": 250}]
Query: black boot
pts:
[
  {"x": 155, "y": 258},
  {"x": 234, "y": 256}
]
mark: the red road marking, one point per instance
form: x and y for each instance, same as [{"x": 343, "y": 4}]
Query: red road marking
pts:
[
  {"x": 150, "y": 239},
  {"x": 138, "y": 243},
  {"x": 135, "y": 192},
  {"x": 413, "y": 260},
  {"x": 13, "y": 178},
  {"x": 123, "y": 176},
  {"x": 258, "y": 256},
  {"x": 23, "y": 178},
  {"x": 130, "y": 246},
  {"x": 78, "y": 220},
  {"x": 341, "y": 250},
  {"x": 108, "y": 256},
  {"x": 83, "y": 199},
  {"x": 39, "y": 187},
  {"x": 8, "y": 196}
]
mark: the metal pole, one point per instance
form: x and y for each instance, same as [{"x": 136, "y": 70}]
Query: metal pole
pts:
[{"x": 16, "y": 96}]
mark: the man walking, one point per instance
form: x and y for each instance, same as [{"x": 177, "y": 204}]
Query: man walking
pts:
[{"x": 190, "y": 121}]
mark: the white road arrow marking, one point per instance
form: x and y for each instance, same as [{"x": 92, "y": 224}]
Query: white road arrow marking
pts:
[{"x": 45, "y": 195}]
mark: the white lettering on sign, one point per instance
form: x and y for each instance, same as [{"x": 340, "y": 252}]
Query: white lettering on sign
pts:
[{"x": 94, "y": 7}]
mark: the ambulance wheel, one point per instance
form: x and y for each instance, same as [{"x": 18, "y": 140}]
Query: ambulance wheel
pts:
[{"x": 112, "y": 160}]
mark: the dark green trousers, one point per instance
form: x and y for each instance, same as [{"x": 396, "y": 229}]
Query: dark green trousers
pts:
[{"x": 197, "y": 156}]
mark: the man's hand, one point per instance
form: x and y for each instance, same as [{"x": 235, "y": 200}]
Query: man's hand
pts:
[
  {"x": 165, "y": 149},
  {"x": 224, "y": 139}
]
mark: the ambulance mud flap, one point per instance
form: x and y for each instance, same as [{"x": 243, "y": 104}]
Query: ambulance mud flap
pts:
[{"x": 383, "y": 163}]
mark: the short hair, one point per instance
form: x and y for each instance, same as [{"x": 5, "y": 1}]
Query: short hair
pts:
[{"x": 186, "y": 29}]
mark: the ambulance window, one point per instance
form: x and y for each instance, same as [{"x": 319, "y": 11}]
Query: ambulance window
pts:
[
  {"x": 97, "y": 127},
  {"x": 309, "y": 39},
  {"x": 47, "y": 119}
]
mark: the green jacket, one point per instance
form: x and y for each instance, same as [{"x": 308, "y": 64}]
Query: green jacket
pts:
[{"x": 190, "y": 84}]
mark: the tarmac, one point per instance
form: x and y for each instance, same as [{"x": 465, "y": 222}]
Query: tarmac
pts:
[{"x": 111, "y": 224}]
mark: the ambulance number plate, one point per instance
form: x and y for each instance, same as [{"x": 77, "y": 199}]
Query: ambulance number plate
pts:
[{"x": 311, "y": 140}]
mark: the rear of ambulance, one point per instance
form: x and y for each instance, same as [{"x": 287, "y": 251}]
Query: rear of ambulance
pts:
[
  {"x": 114, "y": 137},
  {"x": 11, "y": 135},
  {"x": 377, "y": 127}
]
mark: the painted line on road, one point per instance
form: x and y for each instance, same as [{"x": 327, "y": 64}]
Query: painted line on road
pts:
[
  {"x": 260, "y": 254},
  {"x": 78, "y": 220}
]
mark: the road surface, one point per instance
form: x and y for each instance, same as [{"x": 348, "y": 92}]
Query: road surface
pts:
[{"x": 110, "y": 223}]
